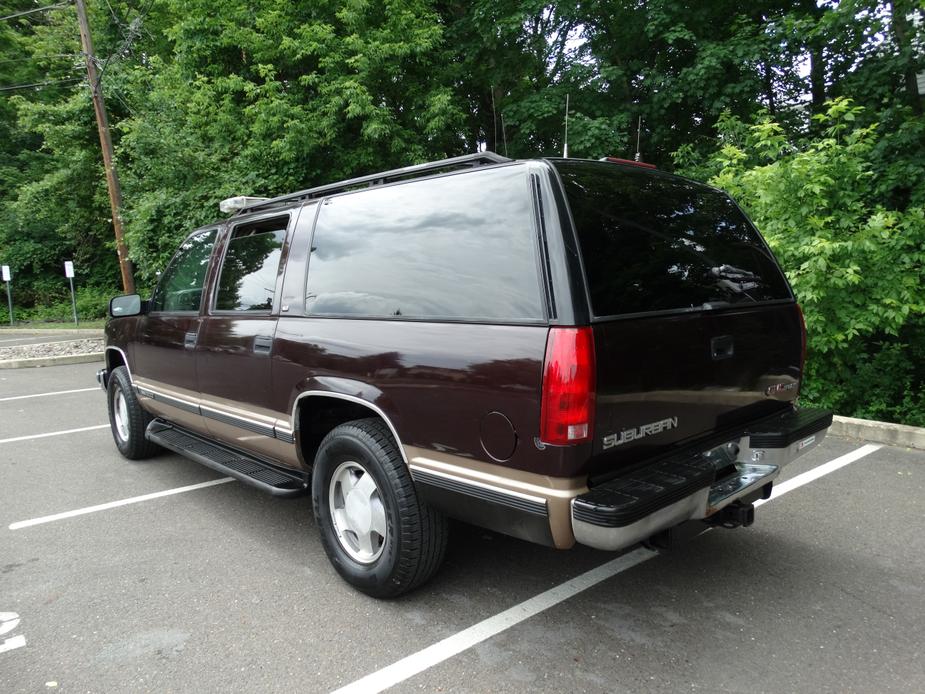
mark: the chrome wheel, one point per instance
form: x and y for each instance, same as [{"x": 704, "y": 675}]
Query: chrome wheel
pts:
[
  {"x": 357, "y": 512},
  {"x": 120, "y": 415}
]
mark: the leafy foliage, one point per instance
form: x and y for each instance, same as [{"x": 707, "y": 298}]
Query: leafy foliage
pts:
[
  {"x": 857, "y": 267},
  {"x": 807, "y": 111}
]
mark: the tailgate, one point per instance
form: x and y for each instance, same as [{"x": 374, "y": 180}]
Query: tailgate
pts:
[{"x": 665, "y": 381}]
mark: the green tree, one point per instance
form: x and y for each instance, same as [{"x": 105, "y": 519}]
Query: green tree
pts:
[{"x": 857, "y": 266}]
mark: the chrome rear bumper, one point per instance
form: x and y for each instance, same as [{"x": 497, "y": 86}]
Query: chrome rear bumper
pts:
[{"x": 630, "y": 509}]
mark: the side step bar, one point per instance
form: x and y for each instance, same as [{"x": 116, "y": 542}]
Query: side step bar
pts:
[{"x": 228, "y": 461}]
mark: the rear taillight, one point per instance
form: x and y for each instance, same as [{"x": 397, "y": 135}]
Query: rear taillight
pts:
[
  {"x": 802, "y": 340},
  {"x": 567, "y": 414}
]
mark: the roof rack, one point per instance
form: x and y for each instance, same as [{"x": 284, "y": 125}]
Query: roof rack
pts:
[{"x": 465, "y": 161}]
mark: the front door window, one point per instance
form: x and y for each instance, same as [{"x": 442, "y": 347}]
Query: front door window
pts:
[{"x": 180, "y": 288}]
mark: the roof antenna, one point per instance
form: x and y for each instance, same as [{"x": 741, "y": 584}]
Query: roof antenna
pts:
[
  {"x": 565, "y": 143},
  {"x": 638, "y": 137},
  {"x": 494, "y": 115},
  {"x": 503, "y": 134}
]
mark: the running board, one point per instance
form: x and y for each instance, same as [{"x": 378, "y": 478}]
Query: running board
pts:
[{"x": 228, "y": 461}]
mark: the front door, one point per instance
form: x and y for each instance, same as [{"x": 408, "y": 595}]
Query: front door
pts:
[
  {"x": 236, "y": 339},
  {"x": 164, "y": 356}
]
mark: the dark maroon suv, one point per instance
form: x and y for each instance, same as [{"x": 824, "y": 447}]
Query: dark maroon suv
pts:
[{"x": 560, "y": 350}]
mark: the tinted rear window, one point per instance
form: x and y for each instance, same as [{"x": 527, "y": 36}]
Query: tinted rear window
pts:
[
  {"x": 458, "y": 247},
  {"x": 652, "y": 242}
]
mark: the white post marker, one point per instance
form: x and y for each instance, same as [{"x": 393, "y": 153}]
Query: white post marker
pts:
[
  {"x": 9, "y": 297},
  {"x": 69, "y": 273}
]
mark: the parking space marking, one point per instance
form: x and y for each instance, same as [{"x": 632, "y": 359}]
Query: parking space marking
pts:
[
  {"x": 115, "y": 504},
  {"x": 8, "y": 622},
  {"x": 427, "y": 658},
  {"x": 820, "y": 471},
  {"x": 13, "y": 643},
  {"x": 467, "y": 638},
  {"x": 54, "y": 433},
  {"x": 42, "y": 395}
]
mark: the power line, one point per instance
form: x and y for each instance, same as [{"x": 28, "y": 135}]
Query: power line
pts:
[
  {"x": 39, "y": 57},
  {"x": 134, "y": 31},
  {"x": 39, "y": 84},
  {"x": 37, "y": 9}
]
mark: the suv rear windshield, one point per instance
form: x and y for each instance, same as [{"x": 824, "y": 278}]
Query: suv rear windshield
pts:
[{"x": 654, "y": 242}]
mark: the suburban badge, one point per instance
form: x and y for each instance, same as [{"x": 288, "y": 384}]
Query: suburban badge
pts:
[{"x": 640, "y": 432}]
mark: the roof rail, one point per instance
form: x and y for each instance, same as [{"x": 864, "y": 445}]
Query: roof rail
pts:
[{"x": 465, "y": 161}]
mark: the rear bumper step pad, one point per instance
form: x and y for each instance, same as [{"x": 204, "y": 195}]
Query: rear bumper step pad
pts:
[
  {"x": 629, "y": 509},
  {"x": 789, "y": 428},
  {"x": 625, "y": 500},
  {"x": 226, "y": 460}
]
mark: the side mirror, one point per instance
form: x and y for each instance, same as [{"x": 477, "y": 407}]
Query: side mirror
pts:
[{"x": 128, "y": 305}]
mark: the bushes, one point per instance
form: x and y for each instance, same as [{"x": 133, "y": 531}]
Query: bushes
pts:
[
  {"x": 92, "y": 304},
  {"x": 857, "y": 266}
]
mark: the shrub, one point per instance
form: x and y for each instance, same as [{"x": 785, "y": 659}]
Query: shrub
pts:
[
  {"x": 856, "y": 266},
  {"x": 92, "y": 304}
]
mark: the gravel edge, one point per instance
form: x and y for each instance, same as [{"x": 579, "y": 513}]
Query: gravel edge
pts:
[{"x": 52, "y": 361}]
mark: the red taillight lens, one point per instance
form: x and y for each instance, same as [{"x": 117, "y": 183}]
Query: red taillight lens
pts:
[
  {"x": 802, "y": 340},
  {"x": 568, "y": 387}
]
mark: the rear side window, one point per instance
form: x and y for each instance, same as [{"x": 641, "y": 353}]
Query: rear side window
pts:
[
  {"x": 652, "y": 242},
  {"x": 458, "y": 247},
  {"x": 248, "y": 278}
]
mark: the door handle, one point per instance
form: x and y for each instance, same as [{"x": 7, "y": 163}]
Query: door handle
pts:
[
  {"x": 189, "y": 340},
  {"x": 263, "y": 344},
  {"x": 722, "y": 347}
]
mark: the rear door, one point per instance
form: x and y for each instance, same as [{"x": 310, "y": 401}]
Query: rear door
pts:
[
  {"x": 696, "y": 329},
  {"x": 236, "y": 337}
]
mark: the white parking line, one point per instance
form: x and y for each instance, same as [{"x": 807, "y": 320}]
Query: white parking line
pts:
[
  {"x": 54, "y": 433},
  {"x": 115, "y": 504},
  {"x": 443, "y": 650},
  {"x": 13, "y": 643},
  {"x": 820, "y": 471},
  {"x": 42, "y": 395},
  {"x": 467, "y": 638}
]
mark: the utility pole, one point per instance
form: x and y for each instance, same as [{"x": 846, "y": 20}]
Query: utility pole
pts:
[{"x": 102, "y": 124}]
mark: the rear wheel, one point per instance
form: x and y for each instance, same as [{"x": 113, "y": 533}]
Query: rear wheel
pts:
[
  {"x": 379, "y": 536},
  {"x": 127, "y": 419}
]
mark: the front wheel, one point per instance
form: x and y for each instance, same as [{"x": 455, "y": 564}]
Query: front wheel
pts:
[
  {"x": 126, "y": 417},
  {"x": 380, "y": 537}
]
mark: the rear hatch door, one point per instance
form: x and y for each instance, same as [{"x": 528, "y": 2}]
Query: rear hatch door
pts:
[{"x": 695, "y": 327}]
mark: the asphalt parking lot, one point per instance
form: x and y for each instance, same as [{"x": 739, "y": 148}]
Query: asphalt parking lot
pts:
[{"x": 221, "y": 588}]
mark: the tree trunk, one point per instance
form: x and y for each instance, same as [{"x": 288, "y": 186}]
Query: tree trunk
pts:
[
  {"x": 899, "y": 22},
  {"x": 817, "y": 78},
  {"x": 769, "y": 87}
]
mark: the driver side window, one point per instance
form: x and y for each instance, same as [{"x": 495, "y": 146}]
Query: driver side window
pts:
[{"x": 180, "y": 287}]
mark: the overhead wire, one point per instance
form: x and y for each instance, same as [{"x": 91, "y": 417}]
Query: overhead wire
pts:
[
  {"x": 33, "y": 11},
  {"x": 39, "y": 84},
  {"x": 36, "y": 85},
  {"x": 39, "y": 57},
  {"x": 134, "y": 31}
]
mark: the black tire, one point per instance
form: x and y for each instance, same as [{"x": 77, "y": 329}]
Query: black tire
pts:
[
  {"x": 414, "y": 543},
  {"x": 133, "y": 445}
]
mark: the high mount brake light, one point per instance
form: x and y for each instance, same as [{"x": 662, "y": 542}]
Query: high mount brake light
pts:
[
  {"x": 567, "y": 415},
  {"x": 616, "y": 160}
]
